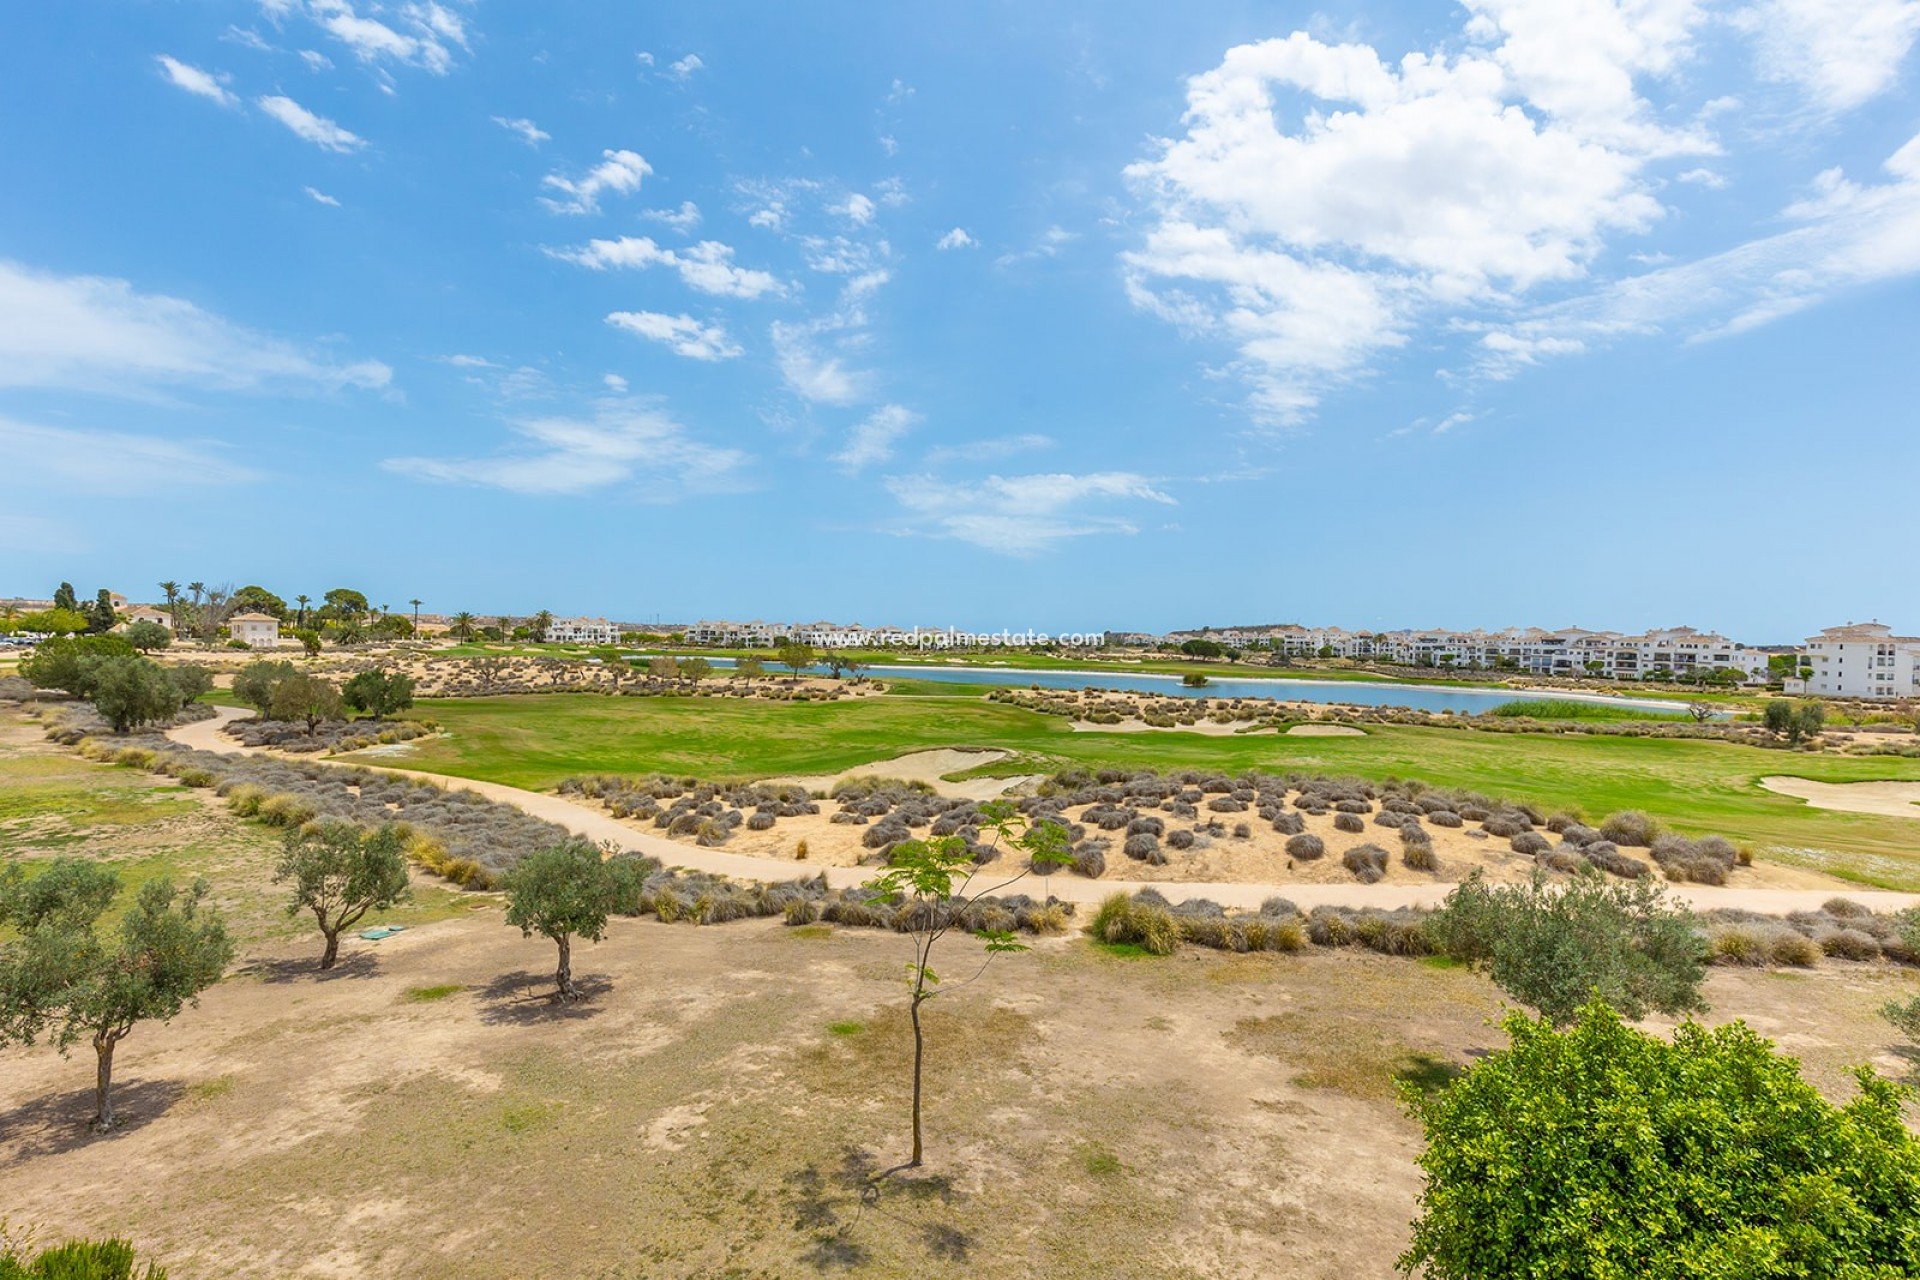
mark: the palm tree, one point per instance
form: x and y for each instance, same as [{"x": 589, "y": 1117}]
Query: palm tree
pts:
[
  {"x": 171, "y": 590},
  {"x": 463, "y": 625},
  {"x": 303, "y": 602},
  {"x": 541, "y": 621},
  {"x": 415, "y": 602},
  {"x": 199, "y": 589}
]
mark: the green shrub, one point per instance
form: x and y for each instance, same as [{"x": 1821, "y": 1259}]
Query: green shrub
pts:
[
  {"x": 79, "y": 1260},
  {"x": 1603, "y": 1151}
]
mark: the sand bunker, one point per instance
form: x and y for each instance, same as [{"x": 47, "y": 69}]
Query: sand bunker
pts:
[
  {"x": 1890, "y": 799},
  {"x": 930, "y": 767},
  {"x": 1325, "y": 731},
  {"x": 1207, "y": 727}
]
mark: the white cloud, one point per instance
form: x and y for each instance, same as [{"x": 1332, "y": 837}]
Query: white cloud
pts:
[
  {"x": 858, "y": 210},
  {"x": 771, "y": 218},
  {"x": 111, "y": 462},
  {"x": 316, "y": 60},
  {"x": 1021, "y": 515},
  {"x": 873, "y": 438},
  {"x": 810, "y": 373},
  {"x": 1707, "y": 178},
  {"x": 1051, "y": 241},
  {"x": 686, "y": 66},
  {"x": 706, "y": 266},
  {"x": 318, "y": 130},
  {"x": 683, "y": 334},
  {"x": 1850, "y": 234},
  {"x": 683, "y": 219},
  {"x": 627, "y": 443},
  {"x": 460, "y": 360},
  {"x": 644, "y": 58},
  {"x": 431, "y": 33},
  {"x": 1323, "y": 202},
  {"x": 526, "y": 130},
  {"x": 96, "y": 333},
  {"x": 320, "y": 197},
  {"x": 619, "y": 172},
  {"x": 195, "y": 81},
  {"x": 615, "y": 383},
  {"x": 956, "y": 239},
  {"x": 1841, "y": 53},
  {"x": 989, "y": 449}
]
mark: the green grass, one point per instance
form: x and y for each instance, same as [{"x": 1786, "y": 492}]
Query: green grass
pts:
[
  {"x": 1576, "y": 709},
  {"x": 846, "y": 1028},
  {"x": 1122, "y": 950},
  {"x": 427, "y": 995},
  {"x": 1697, "y": 787}
]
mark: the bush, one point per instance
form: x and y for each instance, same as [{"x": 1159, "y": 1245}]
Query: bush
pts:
[
  {"x": 1136, "y": 921},
  {"x": 1419, "y": 857},
  {"x": 1531, "y": 843},
  {"x": 1367, "y": 862},
  {"x": 1850, "y": 944},
  {"x": 1553, "y": 947},
  {"x": 1182, "y": 839},
  {"x": 1144, "y": 848},
  {"x": 1289, "y": 824},
  {"x": 1306, "y": 847},
  {"x": 1444, "y": 818},
  {"x": 80, "y": 1259},
  {"x": 1630, "y": 828},
  {"x": 1618, "y": 1153},
  {"x": 1348, "y": 822}
]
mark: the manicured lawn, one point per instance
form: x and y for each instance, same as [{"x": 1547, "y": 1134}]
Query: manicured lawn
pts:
[
  {"x": 1576, "y": 709},
  {"x": 1699, "y": 787}
]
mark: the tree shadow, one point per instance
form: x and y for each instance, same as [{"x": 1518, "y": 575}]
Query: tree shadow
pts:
[
  {"x": 828, "y": 1208},
  {"x": 526, "y": 998},
  {"x": 61, "y": 1122},
  {"x": 359, "y": 964}
]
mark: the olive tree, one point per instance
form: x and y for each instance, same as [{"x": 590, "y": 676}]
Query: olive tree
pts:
[
  {"x": 306, "y": 698},
  {"x": 1600, "y": 1150},
  {"x": 934, "y": 877},
  {"x": 795, "y": 656},
  {"x": 1553, "y": 946},
  {"x": 131, "y": 692},
  {"x": 340, "y": 872},
  {"x": 68, "y": 663},
  {"x": 254, "y": 683},
  {"x": 379, "y": 692},
  {"x": 189, "y": 682},
  {"x": 66, "y": 977},
  {"x": 569, "y": 890},
  {"x": 148, "y": 636}
]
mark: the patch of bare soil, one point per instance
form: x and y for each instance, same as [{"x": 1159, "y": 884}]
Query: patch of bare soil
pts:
[
  {"x": 721, "y": 1102},
  {"x": 1894, "y": 799}
]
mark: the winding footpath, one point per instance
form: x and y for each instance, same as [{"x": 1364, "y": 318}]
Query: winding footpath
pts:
[{"x": 584, "y": 820}]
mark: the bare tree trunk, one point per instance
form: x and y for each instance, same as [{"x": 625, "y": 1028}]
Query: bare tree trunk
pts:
[
  {"x": 919, "y": 1055},
  {"x": 103, "y": 1083},
  {"x": 332, "y": 953},
  {"x": 563, "y": 977}
]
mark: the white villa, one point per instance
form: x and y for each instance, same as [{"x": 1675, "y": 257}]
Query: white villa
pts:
[
  {"x": 1572, "y": 651},
  {"x": 1861, "y": 660},
  {"x": 583, "y": 631},
  {"x": 145, "y": 613},
  {"x": 256, "y": 630}
]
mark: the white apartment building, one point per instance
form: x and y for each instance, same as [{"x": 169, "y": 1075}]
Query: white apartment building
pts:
[
  {"x": 1572, "y": 651},
  {"x": 583, "y": 631},
  {"x": 1862, "y": 660},
  {"x": 737, "y": 635}
]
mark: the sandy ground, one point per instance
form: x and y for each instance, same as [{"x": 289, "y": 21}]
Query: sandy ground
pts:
[
  {"x": 1207, "y": 728},
  {"x": 1325, "y": 731},
  {"x": 1200, "y": 1116},
  {"x": 930, "y": 767},
  {"x": 1895, "y": 799},
  {"x": 1768, "y": 888}
]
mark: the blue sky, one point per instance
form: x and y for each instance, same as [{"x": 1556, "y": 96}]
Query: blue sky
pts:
[{"x": 1062, "y": 316}]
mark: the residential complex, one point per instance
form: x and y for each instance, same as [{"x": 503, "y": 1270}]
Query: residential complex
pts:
[
  {"x": 1861, "y": 660},
  {"x": 1573, "y": 651},
  {"x": 583, "y": 631}
]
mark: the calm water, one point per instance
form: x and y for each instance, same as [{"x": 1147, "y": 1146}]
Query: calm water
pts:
[{"x": 1421, "y": 697}]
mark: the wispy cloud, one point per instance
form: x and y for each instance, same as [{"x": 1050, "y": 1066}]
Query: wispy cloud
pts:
[
  {"x": 1022, "y": 515},
  {"x": 873, "y": 439},
  {"x": 318, "y": 130},
  {"x": 813, "y": 374},
  {"x": 684, "y": 68},
  {"x": 707, "y": 266},
  {"x": 1841, "y": 53},
  {"x": 956, "y": 239},
  {"x": 111, "y": 462},
  {"x": 988, "y": 450},
  {"x": 320, "y": 197},
  {"x": 682, "y": 334},
  {"x": 627, "y": 444},
  {"x": 195, "y": 81},
  {"x": 97, "y": 333},
  {"x": 526, "y": 130},
  {"x": 422, "y": 34},
  {"x": 683, "y": 219},
  {"x": 618, "y": 173}
]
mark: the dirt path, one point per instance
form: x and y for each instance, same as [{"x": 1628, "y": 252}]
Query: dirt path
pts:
[
  {"x": 205, "y": 735},
  {"x": 931, "y": 767},
  {"x": 1888, "y": 799}
]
